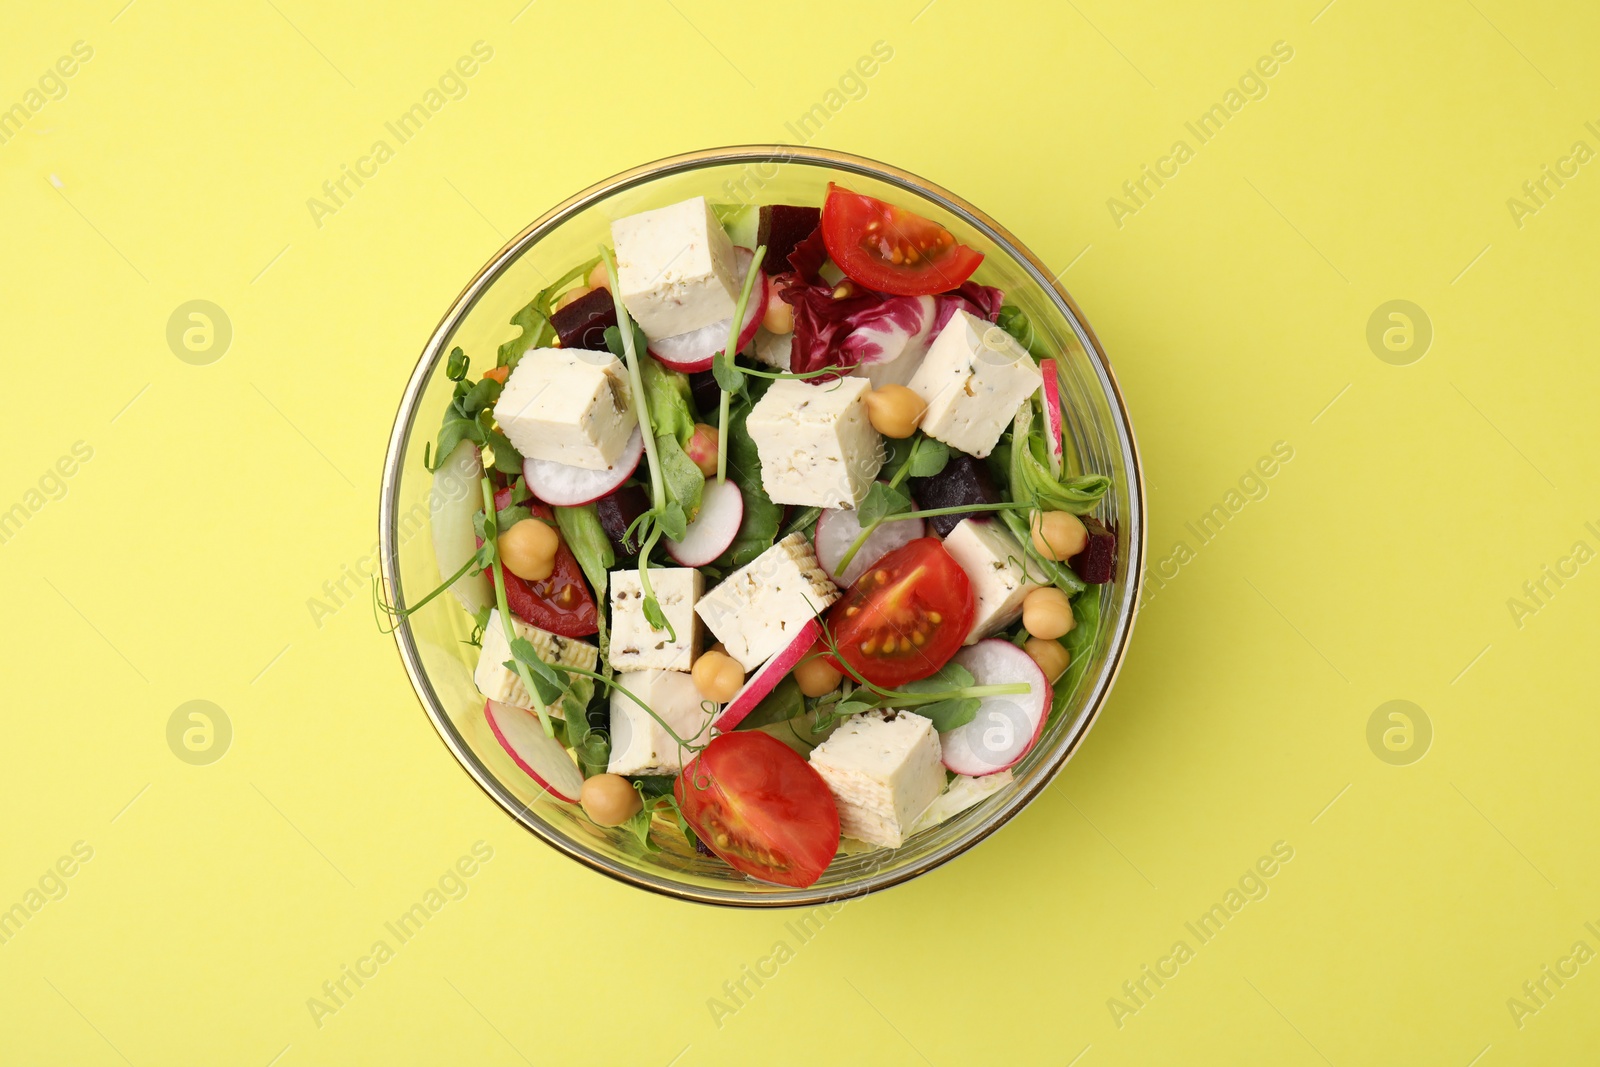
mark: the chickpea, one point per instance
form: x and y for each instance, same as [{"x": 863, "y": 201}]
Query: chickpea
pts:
[
  {"x": 1047, "y": 613},
  {"x": 816, "y": 676},
  {"x": 609, "y": 799},
  {"x": 1058, "y": 534},
  {"x": 597, "y": 278},
  {"x": 1051, "y": 656},
  {"x": 528, "y": 549},
  {"x": 895, "y": 410},
  {"x": 718, "y": 676},
  {"x": 779, "y": 317},
  {"x": 702, "y": 448},
  {"x": 573, "y": 295}
]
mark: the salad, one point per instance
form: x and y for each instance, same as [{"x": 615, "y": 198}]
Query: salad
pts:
[{"x": 775, "y": 540}]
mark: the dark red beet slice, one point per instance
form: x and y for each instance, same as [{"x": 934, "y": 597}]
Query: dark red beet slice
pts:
[
  {"x": 583, "y": 323},
  {"x": 617, "y": 513},
  {"x": 1098, "y": 560},
  {"x": 964, "y": 480},
  {"x": 782, "y": 226},
  {"x": 707, "y": 394}
]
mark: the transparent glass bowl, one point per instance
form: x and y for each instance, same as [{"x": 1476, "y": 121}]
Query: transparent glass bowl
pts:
[{"x": 431, "y": 642}]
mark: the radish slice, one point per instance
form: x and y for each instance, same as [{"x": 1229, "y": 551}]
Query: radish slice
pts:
[
  {"x": 1005, "y": 727},
  {"x": 693, "y": 351},
  {"x": 456, "y": 499},
  {"x": 567, "y": 486},
  {"x": 541, "y": 757},
  {"x": 1052, "y": 410},
  {"x": 713, "y": 530},
  {"x": 767, "y": 677},
  {"x": 837, "y": 530}
]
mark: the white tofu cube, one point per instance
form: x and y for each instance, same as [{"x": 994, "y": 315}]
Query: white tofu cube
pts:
[
  {"x": 760, "y": 608},
  {"x": 638, "y": 743},
  {"x": 817, "y": 447},
  {"x": 498, "y": 682},
  {"x": 571, "y": 406},
  {"x": 973, "y": 379},
  {"x": 635, "y": 644},
  {"x": 676, "y": 268},
  {"x": 994, "y": 563},
  {"x": 883, "y": 769}
]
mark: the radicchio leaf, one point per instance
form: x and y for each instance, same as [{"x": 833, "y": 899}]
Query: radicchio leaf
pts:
[
  {"x": 808, "y": 256},
  {"x": 981, "y": 300}
]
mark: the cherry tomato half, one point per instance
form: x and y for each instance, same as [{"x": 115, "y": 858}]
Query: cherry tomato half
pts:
[
  {"x": 561, "y": 603},
  {"x": 760, "y": 806},
  {"x": 890, "y": 249},
  {"x": 903, "y": 619}
]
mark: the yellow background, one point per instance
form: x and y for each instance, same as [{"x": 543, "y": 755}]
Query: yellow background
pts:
[{"x": 1234, "y": 305}]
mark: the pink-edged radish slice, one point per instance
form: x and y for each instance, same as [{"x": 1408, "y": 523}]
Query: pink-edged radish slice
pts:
[
  {"x": 1052, "y": 411},
  {"x": 837, "y": 530},
  {"x": 564, "y": 485},
  {"x": 767, "y": 677},
  {"x": 541, "y": 757},
  {"x": 693, "y": 351},
  {"x": 1005, "y": 727},
  {"x": 713, "y": 529}
]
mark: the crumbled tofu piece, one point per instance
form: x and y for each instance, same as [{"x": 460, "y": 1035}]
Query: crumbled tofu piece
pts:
[
  {"x": 760, "y": 608},
  {"x": 774, "y": 349},
  {"x": 638, "y": 743},
  {"x": 994, "y": 563},
  {"x": 571, "y": 406},
  {"x": 635, "y": 644},
  {"x": 961, "y": 794},
  {"x": 883, "y": 769},
  {"x": 817, "y": 446},
  {"x": 676, "y": 269},
  {"x": 973, "y": 379},
  {"x": 498, "y": 682}
]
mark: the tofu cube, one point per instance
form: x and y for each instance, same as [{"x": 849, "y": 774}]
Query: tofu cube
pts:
[
  {"x": 817, "y": 447},
  {"x": 883, "y": 769},
  {"x": 635, "y": 644},
  {"x": 676, "y": 268},
  {"x": 571, "y": 406},
  {"x": 638, "y": 743},
  {"x": 498, "y": 682},
  {"x": 973, "y": 379},
  {"x": 760, "y": 608},
  {"x": 994, "y": 563}
]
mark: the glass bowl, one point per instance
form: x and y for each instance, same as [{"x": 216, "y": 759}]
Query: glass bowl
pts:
[{"x": 432, "y": 641}]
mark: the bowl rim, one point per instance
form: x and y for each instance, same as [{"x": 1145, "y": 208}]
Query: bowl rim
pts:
[{"x": 757, "y": 154}]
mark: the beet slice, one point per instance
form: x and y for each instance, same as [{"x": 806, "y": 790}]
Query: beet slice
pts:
[
  {"x": 706, "y": 392},
  {"x": 617, "y": 511},
  {"x": 782, "y": 226},
  {"x": 1098, "y": 560},
  {"x": 583, "y": 323},
  {"x": 964, "y": 480}
]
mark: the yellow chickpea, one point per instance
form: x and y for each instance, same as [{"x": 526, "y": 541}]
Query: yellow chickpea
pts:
[
  {"x": 718, "y": 676},
  {"x": 1051, "y": 656},
  {"x": 702, "y": 448},
  {"x": 597, "y": 278},
  {"x": 895, "y": 411},
  {"x": 779, "y": 317},
  {"x": 573, "y": 295},
  {"x": 816, "y": 677},
  {"x": 1047, "y": 613},
  {"x": 1058, "y": 534},
  {"x": 609, "y": 799},
  {"x": 528, "y": 549}
]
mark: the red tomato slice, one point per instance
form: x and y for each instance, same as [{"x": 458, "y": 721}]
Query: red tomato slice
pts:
[
  {"x": 903, "y": 619},
  {"x": 560, "y": 603},
  {"x": 758, "y": 804},
  {"x": 890, "y": 249}
]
